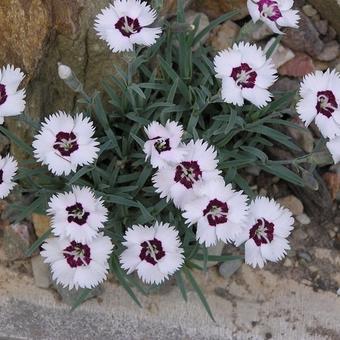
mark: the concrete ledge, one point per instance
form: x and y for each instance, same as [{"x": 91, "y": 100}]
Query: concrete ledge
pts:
[{"x": 253, "y": 305}]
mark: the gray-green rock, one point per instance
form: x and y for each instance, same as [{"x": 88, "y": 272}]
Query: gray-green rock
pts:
[
  {"x": 228, "y": 268},
  {"x": 70, "y": 296}
]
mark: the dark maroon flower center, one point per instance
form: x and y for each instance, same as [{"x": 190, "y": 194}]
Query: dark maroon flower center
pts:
[
  {"x": 128, "y": 26},
  {"x": 1, "y": 176},
  {"x": 262, "y": 232},
  {"x": 326, "y": 103},
  {"x": 269, "y": 9},
  {"x": 152, "y": 251},
  {"x": 244, "y": 76},
  {"x": 77, "y": 214},
  {"x": 161, "y": 144},
  {"x": 3, "y": 94},
  {"x": 77, "y": 254},
  {"x": 216, "y": 212},
  {"x": 66, "y": 143},
  {"x": 187, "y": 173}
]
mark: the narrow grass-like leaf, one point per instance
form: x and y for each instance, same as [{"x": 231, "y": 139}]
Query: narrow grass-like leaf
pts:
[
  {"x": 38, "y": 243},
  {"x": 273, "y": 46},
  {"x": 30, "y": 209},
  {"x": 119, "y": 200},
  {"x": 217, "y": 258},
  {"x": 173, "y": 76},
  {"x": 80, "y": 298},
  {"x": 181, "y": 285},
  {"x": 199, "y": 292},
  {"x": 115, "y": 268},
  {"x": 284, "y": 173},
  {"x": 25, "y": 147}
]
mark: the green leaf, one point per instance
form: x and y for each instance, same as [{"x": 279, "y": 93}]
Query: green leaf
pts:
[
  {"x": 198, "y": 290},
  {"x": 284, "y": 173},
  {"x": 216, "y": 258},
  {"x": 80, "y": 174},
  {"x": 231, "y": 122},
  {"x": 173, "y": 76},
  {"x": 136, "y": 88},
  {"x": 38, "y": 243},
  {"x": 104, "y": 122},
  {"x": 243, "y": 184},
  {"x": 21, "y": 144},
  {"x": 121, "y": 276},
  {"x": 275, "y": 135},
  {"x": 80, "y": 298},
  {"x": 139, "y": 141},
  {"x": 119, "y": 200},
  {"x": 137, "y": 118},
  {"x": 273, "y": 46},
  {"x": 34, "y": 206},
  {"x": 145, "y": 174},
  {"x": 181, "y": 285},
  {"x": 255, "y": 152},
  {"x": 146, "y": 215}
]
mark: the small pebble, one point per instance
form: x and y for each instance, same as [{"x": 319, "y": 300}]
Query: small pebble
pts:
[
  {"x": 299, "y": 234},
  {"x": 288, "y": 262},
  {"x": 332, "y": 233},
  {"x": 338, "y": 292},
  {"x": 292, "y": 203},
  {"x": 305, "y": 256},
  {"x": 306, "y": 282},
  {"x": 303, "y": 219},
  {"x": 228, "y": 268},
  {"x": 309, "y": 10},
  {"x": 313, "y": 269}
]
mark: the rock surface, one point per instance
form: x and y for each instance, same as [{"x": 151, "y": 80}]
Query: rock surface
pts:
[
  {"x": 216, "y": 8},
  {"x": 304, "y": 39},
  {"x": 298, "y": 66},
  {"x": 223, "y": 36},
  {"x": 330, "y": 51},
  {"x": 253, "y": 304},
  {"x": 329, "y": 10},
  {"x": 281, "y": 54},
  {"x": 292, "y": 203},
  {"x": 18, "y": 238},
  {"x": 228, "y": 268},
  {"x": 41, "y": 224},
  {"x": 35, "y": 35},
  {"x": 71, "y": 296},
  {"x": 41, "y": 272}
]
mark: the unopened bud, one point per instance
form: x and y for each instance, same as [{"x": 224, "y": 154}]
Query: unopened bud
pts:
[
  {"x": 64, "y": 71},
  {"x": 67, "y": 75}
]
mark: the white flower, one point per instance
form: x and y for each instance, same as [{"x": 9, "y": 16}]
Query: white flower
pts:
[
  {"x": 334, "y": 148},
  {"x": 125, "y": 23},
  {"x": 75, "y": 265},
  {"x": 77, "y": 215},
  {"x": 320, "y": 99},
  {"x": 268, "y": 227},
  {"x": 164, "y": 144},
  {"x": 12, "y": 101},
  {"x": 246, "y": 73},
  {"x": 65, "y": 142},
  {"x": 8, "y": 169},
  {"x": 154, "y": 252},
  {"x": 180, "y": 181},
  {"x": 274, "y": 13},
  {"x": 219, "y": 212}
]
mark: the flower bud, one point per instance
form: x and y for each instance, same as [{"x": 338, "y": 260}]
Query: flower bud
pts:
[
  {"x": 67, "y": 75},
  {"x": 64, "y": 71}
]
